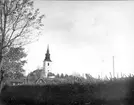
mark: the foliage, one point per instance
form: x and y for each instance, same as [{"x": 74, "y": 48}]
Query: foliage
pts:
[
  {"x": 33, "y": 76},
  {"x": 36, "y": 74},
  {"x": 57, "y": 76},
  {"x": 18, "y": 19},
  {"x": 62, "y": 75},
  {"x": 20, "y": 24},
  {"x": 116, "y": 92},
  {"x": 60, "y": 78},
  {"x": 51, "y": 74},
  {"x": 13, "y": 63}
]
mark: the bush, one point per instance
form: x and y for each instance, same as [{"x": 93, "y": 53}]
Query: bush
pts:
[{"x": 115, "y": 92}]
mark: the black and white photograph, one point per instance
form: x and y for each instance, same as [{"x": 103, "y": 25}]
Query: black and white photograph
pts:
[{"x": 66, "y": 52}]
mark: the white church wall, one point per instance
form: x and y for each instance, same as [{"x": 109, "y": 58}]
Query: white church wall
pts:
[{"x": 47, "y": 67}]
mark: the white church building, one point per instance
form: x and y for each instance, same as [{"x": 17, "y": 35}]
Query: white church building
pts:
[{"x": 47, "y": 64}]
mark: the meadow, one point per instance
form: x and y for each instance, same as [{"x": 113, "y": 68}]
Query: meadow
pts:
[{"x": 114, "y": 91}]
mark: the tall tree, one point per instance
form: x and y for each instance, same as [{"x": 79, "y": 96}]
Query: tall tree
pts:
[
  {"x": 13, "y": 63},
  {"x": 18, "y": 18}
]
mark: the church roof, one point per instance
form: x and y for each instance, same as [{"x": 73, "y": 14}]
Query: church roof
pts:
[
  {"x": 40, "y": 81},
  {"x": 47, "y": 57}
]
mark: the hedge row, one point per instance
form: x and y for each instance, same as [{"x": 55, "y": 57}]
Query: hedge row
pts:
[{"x": 108, "y": 93}]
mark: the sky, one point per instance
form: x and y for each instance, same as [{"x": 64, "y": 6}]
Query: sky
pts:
[{"x": 83, "y": 37}]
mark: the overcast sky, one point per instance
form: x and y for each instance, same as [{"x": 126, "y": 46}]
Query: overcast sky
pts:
[{"x": 83, "y": 37}]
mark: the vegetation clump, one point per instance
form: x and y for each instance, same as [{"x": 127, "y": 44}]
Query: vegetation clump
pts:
[{"x": 112, "y": 92}]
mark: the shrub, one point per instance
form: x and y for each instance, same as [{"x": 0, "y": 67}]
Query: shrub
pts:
[{"x": 112, "y": 92}]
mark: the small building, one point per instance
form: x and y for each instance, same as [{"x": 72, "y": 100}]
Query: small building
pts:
[
  {"x": 45, "y": 74},
  {"x": 14, "y": 82},
  {"x": 40, "y": 81},
  {"x": 52, "y": 76}
]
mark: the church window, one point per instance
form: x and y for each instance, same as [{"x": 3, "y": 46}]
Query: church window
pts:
[{"x": 48, "y": 64}]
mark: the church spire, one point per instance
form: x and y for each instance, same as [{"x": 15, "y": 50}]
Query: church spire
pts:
[
  {"x": 48, "y": 49},
  {"x": 47, "y": 58}
]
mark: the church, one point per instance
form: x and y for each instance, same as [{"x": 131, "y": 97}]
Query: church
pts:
[{"x": 46, "y": 64}]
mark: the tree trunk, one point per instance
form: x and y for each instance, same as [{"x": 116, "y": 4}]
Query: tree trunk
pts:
[{"x": 1, "y": 72}]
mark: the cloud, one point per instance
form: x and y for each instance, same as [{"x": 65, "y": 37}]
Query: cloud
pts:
[
  {"x": 81, "y": 25},
  {"x": 58, "y": 24},
  {"x": 86, "y": 33}
]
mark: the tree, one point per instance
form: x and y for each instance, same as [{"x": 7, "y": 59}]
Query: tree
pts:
[
  {"x": 36, "y": 74},
  {"x": 51, "y": 74},
  {"x": 33, "y": 76},
  {"x": 66, "y": 76},
  {"x": 57, "y": 76},
  {"x": 62, "y": 75},
  {"x": 17, "y": 21},
  {"x": 13, "y": 63}
]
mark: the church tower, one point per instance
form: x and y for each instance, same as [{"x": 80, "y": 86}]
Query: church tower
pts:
[{"x": 47, "y": 63}]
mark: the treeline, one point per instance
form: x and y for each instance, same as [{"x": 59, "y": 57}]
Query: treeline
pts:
[{"x": 114, "y": 92}]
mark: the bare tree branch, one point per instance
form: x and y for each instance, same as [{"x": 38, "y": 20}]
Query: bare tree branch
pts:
[{"x": 17, "y": 20}]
